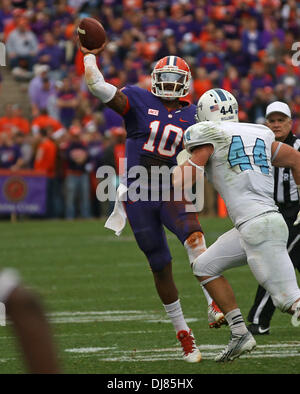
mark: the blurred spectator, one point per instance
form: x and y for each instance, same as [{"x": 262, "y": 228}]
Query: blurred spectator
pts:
[
  {"x": 10, "y": 153},
  {"x": 229, "y": 25},
  {"x": 257, "y": 110},
  {"x": 148, "y": 49},
  {"x": 45, "y": 121},
  {"x": 251, "y": 39},
  {"x": 45, "y": 160},
  {"x": 231, "y": 81},
  {"x": 94, "y": 121},
  {"x": 168, "y": 46},
  {"x": 41, "y": 89},
  {"x": 290, "y": 77},
  {"x": 189, "y": 47},
  {"x": 62, "y": 13},
  {"x": 95, "y": 148},
  {"x": 25, "y": 143},
  {"x": 94, "y": 145},
  {"x": 6, "y": 121},
  {"x": 111, "y": 119},
  {"x": 67, "y": 102},
  {"x": 210, "y": 59},
  {"x": 6, "y": 11},
  {"x": 207, "y": 33},
  {"x": 290, "y": 15},
  {"x": 77, "y": 181},
  {"x": 196, "y": 24},
  {"x": 52, "y": 55},
  {"x": 22, "y": 47},
  {"x": 244, "y": 96},
  {"x": 151, "y": 24},
  {"x": 280, "y": 92},
  {"x": 13, "y": 120},
  {"x": 201, "y": 82},
  {"x": 258, "y": 76},
  {"x": 115, "y": 151},
  {"x": 296, "y": 104},
  {"x": 40, "y": 21},
  {"x": 271, "y": 32},
  {"x": 113, "y": 154},
  {"x": 9, "y": 18},
  {"x": 20, "y": 122},
  {"x": 220, "y": 42},
  {"x": 274, "y": 55},
  {"x": 126, "y": 44},
  {"x": 237, "y": 57}
]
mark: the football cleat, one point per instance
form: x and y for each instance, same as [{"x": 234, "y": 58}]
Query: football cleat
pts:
[
  {"x": 296, "y": 316},
  {"x": 256, "y": 329},
  {"x": 191, "y": 353},
  {"x": 216, "y": 318},
  {"x": 238, "y": 345}
]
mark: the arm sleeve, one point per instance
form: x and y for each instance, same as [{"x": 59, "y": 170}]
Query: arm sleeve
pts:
[{"x": 95, "y": 80}]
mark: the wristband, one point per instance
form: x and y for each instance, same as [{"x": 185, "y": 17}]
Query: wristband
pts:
[
  {"x": 195, "y": 165},
  {"x": 276, "y": 152}
]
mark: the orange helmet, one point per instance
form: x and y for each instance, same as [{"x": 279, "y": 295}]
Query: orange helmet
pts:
[{"x": 170, "y": 78}]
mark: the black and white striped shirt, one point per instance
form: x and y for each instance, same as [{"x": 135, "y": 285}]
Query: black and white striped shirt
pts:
[{"x": 285, "y": 188}]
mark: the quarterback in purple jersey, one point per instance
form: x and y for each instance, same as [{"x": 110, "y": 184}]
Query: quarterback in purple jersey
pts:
[{"x": 155, "y": 122}]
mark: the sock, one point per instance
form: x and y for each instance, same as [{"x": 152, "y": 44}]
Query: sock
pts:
[
  {"x": 207, "y": 296},
  {"x": 175, "y": 314},
  {"x": 236, "y": 322}
]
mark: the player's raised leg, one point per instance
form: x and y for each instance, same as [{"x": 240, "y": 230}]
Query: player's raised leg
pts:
[
  {"x": 144, "y": 219},
  {"x": 277, "y": 274},
  {"x": 208, "y": 268},
  {"x": 168, "y": 294},
  {"x": 184, "y": 223},
  {"x": 195, "y": 246},
  {"x": 241, "y": 340}
]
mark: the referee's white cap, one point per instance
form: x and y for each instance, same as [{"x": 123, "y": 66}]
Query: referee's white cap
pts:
[{"x": 278, "y": 106}]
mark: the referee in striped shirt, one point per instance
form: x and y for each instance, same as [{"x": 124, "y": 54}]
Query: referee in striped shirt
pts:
[{"x": 286, "y": 196}]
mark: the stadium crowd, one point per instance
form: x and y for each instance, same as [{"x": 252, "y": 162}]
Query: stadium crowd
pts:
[{"x": 244, "y": 47}]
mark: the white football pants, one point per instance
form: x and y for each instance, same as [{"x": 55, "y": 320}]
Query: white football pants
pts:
[{"x": 260, "y": 242}]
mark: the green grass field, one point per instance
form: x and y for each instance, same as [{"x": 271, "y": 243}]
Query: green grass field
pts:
[{"x": 106, "y": 316}]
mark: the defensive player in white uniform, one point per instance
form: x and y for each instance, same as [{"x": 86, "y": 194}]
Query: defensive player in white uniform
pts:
[{"x": 238, "y": 159}]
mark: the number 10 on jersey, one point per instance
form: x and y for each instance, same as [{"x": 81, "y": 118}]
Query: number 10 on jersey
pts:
[{"x": 162, "y": 146}]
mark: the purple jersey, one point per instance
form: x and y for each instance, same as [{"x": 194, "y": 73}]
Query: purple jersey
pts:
[
  {"x": 154, "y": 134},
  {"x": 154, "y": 138}
]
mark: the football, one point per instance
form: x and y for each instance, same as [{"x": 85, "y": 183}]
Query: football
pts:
[{"x": 91, "y": 33}]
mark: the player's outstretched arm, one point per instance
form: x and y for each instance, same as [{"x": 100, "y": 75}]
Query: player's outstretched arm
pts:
[
  {"x": 197, "y": 160},
  {"x": 286, "y": 156},
  {"x": 107, "y": 93}
]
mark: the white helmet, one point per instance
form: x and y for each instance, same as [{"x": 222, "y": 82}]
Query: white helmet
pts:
[{"x": 217, "y": 104}]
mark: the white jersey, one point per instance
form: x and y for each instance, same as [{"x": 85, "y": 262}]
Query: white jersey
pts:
[{"x": 240, "y": 167}]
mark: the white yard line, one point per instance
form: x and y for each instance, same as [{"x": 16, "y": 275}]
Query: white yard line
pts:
[
  {"x": 209, "y": 351},
  {"x": 102, "y": 316}
]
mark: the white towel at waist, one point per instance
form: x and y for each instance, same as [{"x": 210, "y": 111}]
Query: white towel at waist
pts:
[{"x": 117, "y": 219}]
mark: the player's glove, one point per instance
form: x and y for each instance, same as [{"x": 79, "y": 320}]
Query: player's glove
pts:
[{"x": 297, "y": 221}]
